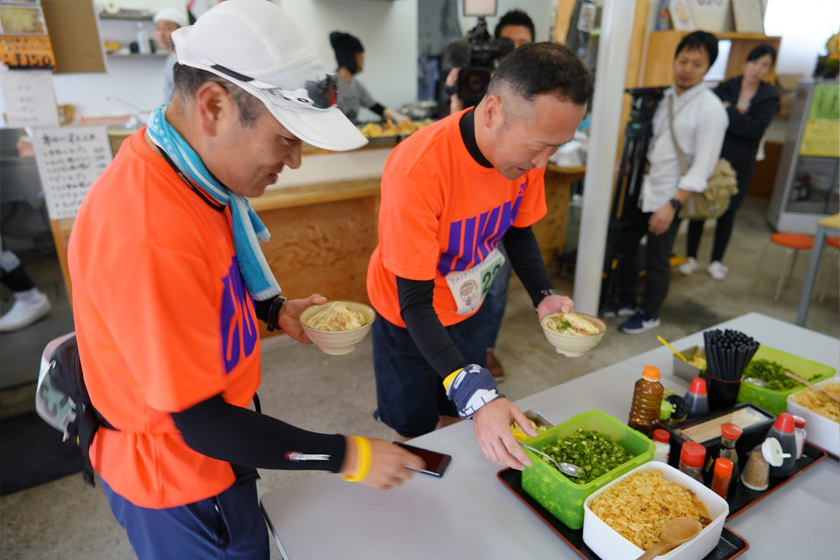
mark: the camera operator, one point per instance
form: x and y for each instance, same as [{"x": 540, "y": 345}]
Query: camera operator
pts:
[{"x": 514, "y": 29}]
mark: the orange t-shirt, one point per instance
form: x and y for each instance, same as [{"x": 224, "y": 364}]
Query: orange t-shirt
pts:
[
  {"x": 163, "y": 322},
  {"x": 442, "y": 212}
]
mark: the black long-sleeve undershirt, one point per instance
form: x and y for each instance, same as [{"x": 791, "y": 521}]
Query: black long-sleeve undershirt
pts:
[
  {"x": 429, "y": 334},
  {"x": 226, "y": 432}
]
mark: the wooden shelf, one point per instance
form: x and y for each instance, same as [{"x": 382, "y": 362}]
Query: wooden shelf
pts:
[
  {"x": 132, "y": 16},
  {"x": 659, "y": 63}
]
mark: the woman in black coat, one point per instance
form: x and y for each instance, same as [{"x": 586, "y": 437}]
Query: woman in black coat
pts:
[{"x": 751, "y": 105}]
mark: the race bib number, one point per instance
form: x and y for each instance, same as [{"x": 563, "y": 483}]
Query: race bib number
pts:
[{"x": 470, "y": 287}]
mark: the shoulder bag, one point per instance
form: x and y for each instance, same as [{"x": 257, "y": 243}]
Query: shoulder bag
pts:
[{"x": 722, "y": 184}]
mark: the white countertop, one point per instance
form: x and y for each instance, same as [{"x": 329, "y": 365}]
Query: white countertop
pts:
[{"x": 470, "y": 514}]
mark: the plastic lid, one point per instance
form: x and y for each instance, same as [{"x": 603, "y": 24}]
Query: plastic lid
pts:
[
  {"x": 693, "y": 454},
  {"x": 772, "y": 451},
  {"x": 723, "y": 467},
  {"x": 698, "y": 386},
  {"x": 651, "y": 373},
  {"x": 784, "y": 423},
  {"x": 730, "y": 431},
  {"x": 798, "y": 421},
  {"x": 661, "y": 435}
]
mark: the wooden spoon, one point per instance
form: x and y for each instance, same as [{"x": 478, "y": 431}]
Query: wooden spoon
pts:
[
  {"x": 673, "y": 534},
  {"x": 812, "y": 386}
]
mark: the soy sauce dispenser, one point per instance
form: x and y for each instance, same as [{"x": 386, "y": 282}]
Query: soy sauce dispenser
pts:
[{"x": 784, "y": 430}]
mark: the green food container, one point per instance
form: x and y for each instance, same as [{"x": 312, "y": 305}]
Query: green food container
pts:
[
  {"x": 562, "y": 497},
  {"x": 775, "y": 402}
]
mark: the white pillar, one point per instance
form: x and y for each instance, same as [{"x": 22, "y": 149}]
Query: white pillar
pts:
[{"x": 613, "y": 46}]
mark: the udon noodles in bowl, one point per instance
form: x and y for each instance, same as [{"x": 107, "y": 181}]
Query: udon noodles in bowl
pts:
[
  {"x": 572, "y": 334},
  {"x": 337, "y": 326}
]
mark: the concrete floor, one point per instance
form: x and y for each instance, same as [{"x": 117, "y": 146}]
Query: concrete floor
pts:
[{"x": 66, "y": 519}]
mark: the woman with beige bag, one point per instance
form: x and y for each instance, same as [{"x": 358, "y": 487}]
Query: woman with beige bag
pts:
[{"x": 751, "y": 105}]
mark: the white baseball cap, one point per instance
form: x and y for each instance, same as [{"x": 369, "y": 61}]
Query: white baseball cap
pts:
[
  {"x": 256, "y": 45},
  {"x": 172, "y": 14}
]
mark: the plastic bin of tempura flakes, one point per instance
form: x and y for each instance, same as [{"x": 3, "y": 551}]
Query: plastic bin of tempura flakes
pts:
[
  {"x": 775, "y": 402},
  {"x": 557, "y": 493}
]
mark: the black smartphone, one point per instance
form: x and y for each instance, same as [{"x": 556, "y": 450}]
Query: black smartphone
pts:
[{"x": 436, "y": 463}]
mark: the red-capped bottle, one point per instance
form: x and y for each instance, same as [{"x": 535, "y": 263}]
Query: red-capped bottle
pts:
[
  {"x": 783, "y": 430},
  {"x": 697, "y": 399},
  {"x": 647, "y": 400},
  {"x": 692, "y": 456},
  {"x": 662, "y": 440},
  {"x": 722, "y": 476}
]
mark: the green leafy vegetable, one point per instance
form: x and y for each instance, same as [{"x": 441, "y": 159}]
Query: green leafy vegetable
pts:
[
  {"x": 773, "y": 375},
  {"x": 596, "y": 453}
]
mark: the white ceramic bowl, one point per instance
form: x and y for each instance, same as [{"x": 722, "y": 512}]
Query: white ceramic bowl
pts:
[
  {"x": 571, "y": 345},
  {"x": 337, "y": 342},
  {"x": 609, "y": 545},
  {"x": 819, "y": 430}
]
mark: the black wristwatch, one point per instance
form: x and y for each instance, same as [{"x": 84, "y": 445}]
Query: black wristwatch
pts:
[
  {"x": 274, "y": 313},
  {"x": 676, "y": 204}
]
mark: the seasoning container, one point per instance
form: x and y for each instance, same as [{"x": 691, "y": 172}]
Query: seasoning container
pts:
[
  {"x": 756, "y": 475},
  {"x": 697, "y": 399},
  {"x": 678, "y": 411},
  {"x": 692, "y": 456},
  {"x": 722, "y": 476},
  {"x": 729, "y": 434},
  {"x": 647, "y": 400},
  {"x": 662, "y": 439},
  {"x": 800, "y": 434},
  {"x": 783, "y": 429}
]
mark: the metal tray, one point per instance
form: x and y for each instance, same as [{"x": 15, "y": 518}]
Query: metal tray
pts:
[{"x": 731, "y": 545}]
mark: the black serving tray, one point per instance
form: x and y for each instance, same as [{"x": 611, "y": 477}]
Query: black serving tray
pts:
[
  {"x": 742, "y": 497},
  {"x": 731, "y": 545}
]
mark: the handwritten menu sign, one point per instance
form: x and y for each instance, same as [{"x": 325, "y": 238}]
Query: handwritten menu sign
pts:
[
  {"x": 69, "y": 161},
  {"x": 30, "y": 98}
]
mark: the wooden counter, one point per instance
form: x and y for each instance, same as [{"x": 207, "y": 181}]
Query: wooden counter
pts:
[{"x": 322, "y": 235}]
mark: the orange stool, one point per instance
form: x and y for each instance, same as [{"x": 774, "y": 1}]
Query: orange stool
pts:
[
  {"x": 793, "y": 242},
  {"x": 823, "y": 278}
]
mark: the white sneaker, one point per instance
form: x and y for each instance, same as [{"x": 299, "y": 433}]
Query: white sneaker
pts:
[
  {"x": 688, "y": 267},
  {"x": 25, "y": 311},
  {"x": 717, "y": 270}
]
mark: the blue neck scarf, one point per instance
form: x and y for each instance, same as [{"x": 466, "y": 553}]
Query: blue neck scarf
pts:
[{"x": 248, "y": 230}]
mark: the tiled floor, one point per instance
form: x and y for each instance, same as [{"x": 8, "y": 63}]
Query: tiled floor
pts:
[{"x": 66, "y": 519}]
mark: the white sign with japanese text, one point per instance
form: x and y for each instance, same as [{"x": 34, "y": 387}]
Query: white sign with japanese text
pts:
[{"x": 69, "y": 160}]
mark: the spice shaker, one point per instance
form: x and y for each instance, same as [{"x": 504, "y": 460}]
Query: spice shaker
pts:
[
  {"x": 662, "y": 440},
  {"x": 722, "y": 476},
  {"x": 800, "y": 434},
  {"x": 692, "y": 456},
  {"x": 756, "y": 473}
]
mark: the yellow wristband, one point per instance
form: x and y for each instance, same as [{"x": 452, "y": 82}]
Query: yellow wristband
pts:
[
  {"x": 450, "y": 378},
  {"x": 364, "y": 460}
]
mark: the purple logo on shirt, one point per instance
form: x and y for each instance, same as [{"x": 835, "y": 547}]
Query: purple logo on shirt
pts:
[
  {"x": 238, "y": 328},
  {"x": 471, "y": 240}
]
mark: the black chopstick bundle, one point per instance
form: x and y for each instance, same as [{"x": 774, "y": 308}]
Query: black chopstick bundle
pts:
[{"x": 728, "y": 352}]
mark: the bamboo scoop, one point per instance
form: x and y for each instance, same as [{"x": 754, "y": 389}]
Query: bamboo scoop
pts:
[
  {"x": 812, "y": 386},
  {"x": 673, "y": 534}
]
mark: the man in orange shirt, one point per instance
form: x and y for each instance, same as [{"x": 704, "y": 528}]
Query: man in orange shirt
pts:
[
  {"x": 450, "y": 193},
  {"x": 169, "y": 281}
]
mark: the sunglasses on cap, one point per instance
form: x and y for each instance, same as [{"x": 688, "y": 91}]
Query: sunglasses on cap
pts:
[{"x": 319, "y": 94}]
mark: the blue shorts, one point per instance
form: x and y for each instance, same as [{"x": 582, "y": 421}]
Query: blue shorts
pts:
[
  {"x": 409, "y": 393},
  {"x": 228, "y": 526}
]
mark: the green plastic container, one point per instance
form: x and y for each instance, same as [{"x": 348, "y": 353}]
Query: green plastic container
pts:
[
  {"x": 556, "y": 493},
  {"x": 775, "y": 402}
]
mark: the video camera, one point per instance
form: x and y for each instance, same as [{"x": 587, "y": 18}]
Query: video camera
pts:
[{"x": 476, "y": 56}]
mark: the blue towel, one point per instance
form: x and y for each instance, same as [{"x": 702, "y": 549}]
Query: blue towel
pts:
[{"x": 248, "y": 230}]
